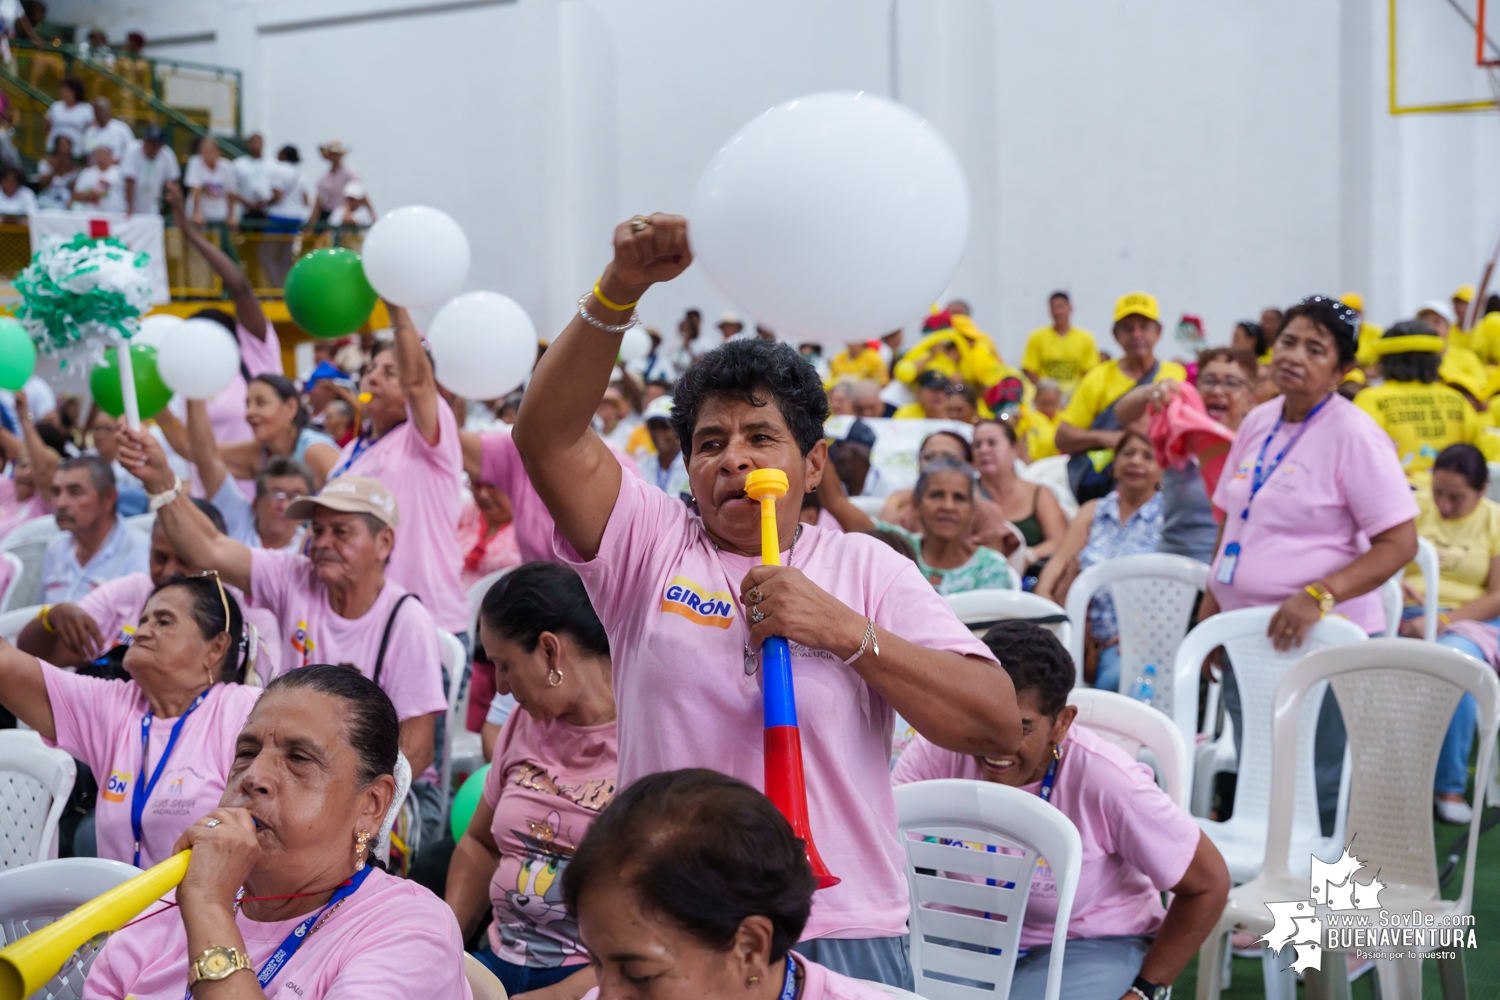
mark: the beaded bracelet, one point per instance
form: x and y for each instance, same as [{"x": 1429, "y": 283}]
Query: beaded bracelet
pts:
[{"x": 598, "y": 324}]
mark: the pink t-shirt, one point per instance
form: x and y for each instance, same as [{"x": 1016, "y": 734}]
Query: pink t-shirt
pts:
[
  {"x": 670, "y": 603},
  {"x": 99, "y": 722},
  {"x": 13, "y": 512},
  {"x": 426, "y": 480},
  {"x": 1137, "y": 842},
  {"x": 1338, "y": 486},
  {"x": 285, "y": 583},
  {"x": 500, "y": 464},
  {"x": 818, "y": 983},
  {"x": 391, "y": 940},
  {"x": 117, "y": 606},
  {"x": 483, "y": 556},
  {"x": 547, "y": 782}
]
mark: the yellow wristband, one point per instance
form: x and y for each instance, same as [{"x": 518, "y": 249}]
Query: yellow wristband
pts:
[
  {"x": 1443, "y": 619},
  {"x": 42, "y": 617},
  {"x": 613, "y": 305}
]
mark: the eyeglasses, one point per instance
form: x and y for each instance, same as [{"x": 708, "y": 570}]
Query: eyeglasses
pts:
[
  {"x": 223, "y": 597},
  {"x": 1228, "y": 384},
  {"x": 955, "y": 389},
  {"x": 280, "y": 495}
]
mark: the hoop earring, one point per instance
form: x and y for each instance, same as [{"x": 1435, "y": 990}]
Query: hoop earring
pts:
[
  {"x": 554, "y": 677},
  {"x": 360, "y": 850}
]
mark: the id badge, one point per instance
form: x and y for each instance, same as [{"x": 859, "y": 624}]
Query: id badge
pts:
[{"x": 1227, "y": 564}]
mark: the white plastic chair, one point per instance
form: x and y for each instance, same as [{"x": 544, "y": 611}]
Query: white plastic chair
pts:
[
  {"x": 13, "y": 588},
  {"x": 35, "y": 782},
  {"x": 1133, "y": 727},
  {"x": 1154, "y": 596},
  {"x": 1397, "y": 698},
  {"x": 1493, "y": 490},
  {"x": 1394, "y": 597},
  {"x": 476, "y": 598},
  {"x": 982, "y": 608},
  {"x": 871, "y": 506},
  {"x": 142, "y": 523},
  {"x": 997, "y": 816},
  {"x": 28, "y": 543},
  {"x": 33, "y": 896},
  {"x": 1258, "y": 668},
  {"x": 483, "y": 983},
  {"x": 403, "y": 785},
  {"x": 1052, "y": 473},
  {"x": 454, "y": 661},
  {"x": 38, "y": 529},
  {"x": 13, "y": 621}
]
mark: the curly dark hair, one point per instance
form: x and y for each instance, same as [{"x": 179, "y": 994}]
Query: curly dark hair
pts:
[
  {"x": 1333, "y": 318},
  {"x": 1035, "y": 660},
  {"x": 755, "y": 372},
  {"x": 1413, "y": 366}
]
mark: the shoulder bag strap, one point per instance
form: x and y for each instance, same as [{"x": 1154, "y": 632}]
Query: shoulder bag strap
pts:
[{"x": 385, "y": 640}]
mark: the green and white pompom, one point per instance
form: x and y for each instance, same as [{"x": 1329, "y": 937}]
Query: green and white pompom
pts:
[{"x": 83, "y": 289}]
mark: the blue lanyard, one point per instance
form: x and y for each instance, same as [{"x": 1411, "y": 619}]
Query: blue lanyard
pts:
[
  {"x": 1048, "y": 780},
  {"x": 1261, "y": 478},
  {"x": 361, "y": 445},
  {"x": 144, "y": 788},
  {"x": 789, "y": 988}
]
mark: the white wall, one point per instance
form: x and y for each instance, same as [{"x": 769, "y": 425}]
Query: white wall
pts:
[{"x": 1223, "y": 156}]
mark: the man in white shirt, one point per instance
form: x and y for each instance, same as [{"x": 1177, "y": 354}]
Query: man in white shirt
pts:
[
  {"x": 211, "y": 185},
  {"x": 99, "y": 187},
  {"x": 256, "y": 177},
  {"x": 147, "y": 167},
  {"x": 665, "y": 470},
  {"x": 107, "y": 131},
  {"x": 96, "y": 545}
]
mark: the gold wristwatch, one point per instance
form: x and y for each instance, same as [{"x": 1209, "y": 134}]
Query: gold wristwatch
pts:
[
  {"x": 1322, "y": 595},
  {"x": 218, "y": 963}
]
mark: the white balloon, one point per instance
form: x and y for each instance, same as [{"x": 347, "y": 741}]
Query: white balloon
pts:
[
  {"x": 198, "y": 358},
  {"x": 635, "y": 345},
  {"x": 154, "y": 329},
  {"x": 416, "y": 256},
  {"x": 483, "y": 345},
  {"x": 832, "y": 218}
]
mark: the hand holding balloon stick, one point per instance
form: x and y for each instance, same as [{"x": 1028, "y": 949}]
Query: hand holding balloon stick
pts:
[{"x": 785, "y": 786}]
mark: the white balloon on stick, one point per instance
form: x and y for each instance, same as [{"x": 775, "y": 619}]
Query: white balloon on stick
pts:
[
  {"x": 154, "y": 329},
  {"x": 483, "y": 345},
  {"x": 197, "y": 359},
  {"x": 635, "y": 345},
  {"x": 416, "y": 256},
  {"x": 832, "y": 218}
]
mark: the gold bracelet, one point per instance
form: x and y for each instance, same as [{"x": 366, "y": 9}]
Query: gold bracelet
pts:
[
  {"x": 611, "y": 305},
  {"x": 42, "y": 617}
]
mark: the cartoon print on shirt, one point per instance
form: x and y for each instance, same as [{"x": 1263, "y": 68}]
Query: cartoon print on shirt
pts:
[{"x": 538, "y": 924}]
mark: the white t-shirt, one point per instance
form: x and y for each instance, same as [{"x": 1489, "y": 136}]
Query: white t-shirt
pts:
[
  {"x": 108, "y": 181},
  {"x": 255, "y": 178},
  {"x": 114, "y": 133},
  {"x": 217, "y": 185},
  {"x": 69, "y": 122},
  {"x": 151, "y": 175},
  {"x": 361, "y": 216},
  {"x": 287, "y": 178},
  {"x": 23, "y": 202}
]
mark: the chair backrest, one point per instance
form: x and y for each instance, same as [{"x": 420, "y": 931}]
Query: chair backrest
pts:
[
  {"x": 13, "y": 621},
  {"x": 1493, "y": 490},
  {"x": 871, "y": 506},
  {"x": 1154, "y": 607},
  {"x": 38, "y": 529},
  {"x": 26, "y": 588},
  {"x": 935, "y": 820},
  {"x": 16, "y": 569},
  {"x": 1397, "y": 697},
  {"x": 403, "y": 785},
  {"x": 1052, "y": 472},
  {"x": 454, "y": 660},
  {"x": 1258, "y": 668},
  {"x": 1427, "y": 562},
  {"x": 1134, "y": 727},
  {"x": 35, "y": 782},
  {"x": 476, "y": 598},
  {"x": 1391, "y": 601},
  {"x": 483, "y": 983},
  {"x": 142, "y": 522},
  {"x": 33, "y": 896},
  {"x": 980, "y": 609}
]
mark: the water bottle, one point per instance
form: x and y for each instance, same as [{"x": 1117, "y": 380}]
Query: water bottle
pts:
[{"x": 1144, "y": 689}]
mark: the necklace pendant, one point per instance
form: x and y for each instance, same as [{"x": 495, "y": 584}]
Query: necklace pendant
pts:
[{"x": 752, "y": 663}]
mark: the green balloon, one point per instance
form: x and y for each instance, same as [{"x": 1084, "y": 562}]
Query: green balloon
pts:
[
  {"x": 465, "y": 802},
  {"x": 17, "y": 354},
  {"x": 151, "y": 393},
  {"x": 327, "y": 294}
]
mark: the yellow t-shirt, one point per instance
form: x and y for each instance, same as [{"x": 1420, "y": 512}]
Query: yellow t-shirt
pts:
[
  {"x": 1038, "y": 431},
  {"x": 1103, "y": 385},
  {"x": 1484, "y": 339},
  {"x": 868, "y": 365},
  {"x": 1363, "y": 355},
  {"x": 909, "y": 411},
  {"x": 1465, "y": 546},
  {"x": 639, "y": 443},
  {"x": 1462, "y": 367},
  {"x": 1422, "y": 419},
  {"x": 1066, "y": 358}
]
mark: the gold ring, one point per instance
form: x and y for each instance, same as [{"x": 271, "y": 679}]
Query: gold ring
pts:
[
  {"x": 638, "y": 223},
  {"x": 755, "y": 595}
]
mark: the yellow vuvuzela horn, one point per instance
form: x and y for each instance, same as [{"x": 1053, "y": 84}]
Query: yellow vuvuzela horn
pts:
[{"x": 27, "y": 963}]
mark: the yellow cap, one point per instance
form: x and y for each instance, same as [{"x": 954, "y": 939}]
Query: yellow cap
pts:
[
  {"x": 1465, "y": 293},
  {"x": 1137, "y": 304},
  {"x": 1354, "y": 301}
]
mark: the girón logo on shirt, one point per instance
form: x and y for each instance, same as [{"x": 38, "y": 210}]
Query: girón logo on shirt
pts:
[
  {"x": 114, "y": 789},
  {"x": 688, "y": 599}
]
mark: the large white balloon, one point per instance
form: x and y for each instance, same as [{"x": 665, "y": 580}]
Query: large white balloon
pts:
[
  {"x": 198, "y": 358},
  {"x": 832, "y": 218},
  {"x": 154, "y": 329},
  {"x": 483, "y": 345},
  {"x": 416, "y": 256},
  {"x": 635, "y": 345}
]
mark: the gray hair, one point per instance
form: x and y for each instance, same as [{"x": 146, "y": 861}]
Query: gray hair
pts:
[
  {"x": 942, "y": 464},
  {"x": 865, "y": 389},
  {"x": 280, "y": 466},
  {"x": 101, "y": 476},
  {"x": 102, "y": 103},
  {"x": 1049, "y": 383}
]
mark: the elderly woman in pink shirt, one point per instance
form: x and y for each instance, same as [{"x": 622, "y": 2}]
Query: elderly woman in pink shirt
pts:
[
  {"x": 686, "y": 601},
  {"x": 1137, "y": 842}
]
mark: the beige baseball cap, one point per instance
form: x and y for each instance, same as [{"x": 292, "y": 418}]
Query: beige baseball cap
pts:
[{"x": 349, "y": 495}]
